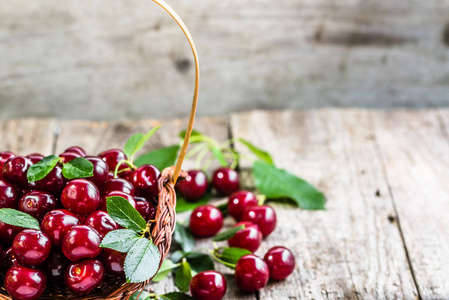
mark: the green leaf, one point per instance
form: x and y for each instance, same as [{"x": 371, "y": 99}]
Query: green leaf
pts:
[
  {"x": 276, "y": 183},
  {"x": 167, "y": 266},
  {"x": 223, "y": 208},
  {"x": 142, "y": 261},
  {"x": 17, "y": 218},
  {"x": 177, "y": 256},
  {"x": 176, "y": 296},
  {"x": 141, "y": 295},
  {"x": 161, "y": 158},
  {"x": 218, "y": 154},
  {"x": 261, "y": 154},
  {"x": 183, "y": 205},
  {"x": 78, "y": 168},
  {"x": 125, "y": 214},
  {"x": 131, "y": 144},
  {"x": 183, "y": 276},
  {"x": 41, "y": 169},
  {"x": 199, "y": 262},
  {"x": 226, "y": 235},
  {"x": 120, "y": 240},
  {"x": 232, "y": 255},
  {"x": 184, "y": 238},
  {"x": 182, "y": 134}
]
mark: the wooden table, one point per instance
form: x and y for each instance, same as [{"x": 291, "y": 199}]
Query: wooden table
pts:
[{"x": 385, "y": 232}]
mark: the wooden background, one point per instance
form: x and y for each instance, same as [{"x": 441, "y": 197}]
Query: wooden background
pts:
[{"x": 109, "y": 59}]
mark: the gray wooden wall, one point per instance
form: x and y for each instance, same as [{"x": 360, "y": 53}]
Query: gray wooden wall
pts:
[{"x": 107, "y": 59}]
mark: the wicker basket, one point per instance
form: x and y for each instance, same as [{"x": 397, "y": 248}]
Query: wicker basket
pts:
[{"x": 164, "y": 226}]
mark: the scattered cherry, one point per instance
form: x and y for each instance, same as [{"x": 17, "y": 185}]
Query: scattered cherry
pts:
[
  {"x": 251, "y": 273},
  {"x": 80, "y": 196},
  {"x": 55, "y": 266},
  {"x": 84, "y": 276},
  {"x": 144, "y": 179},
  {"x": 112, "y": 157},
  {"x": 280, "y": 261},
  {"x": 77, "y": 150},
  {"x": 37, "y": 204},
  {"x": 80, "y": 242},
  {"x": 225, "y": 181},
  {"x": 31, "y": 247},
  {"x": 248, "y": 238},
  {"x": 101, "y": 222},
  {"x": 15, "y": 171},
  {"x": 100, "y": 172},
  {"x": 56, "y": 224},
  {"x": 193, "y": 186},
  {"x": 24, "y": 283},
  {"x": 206, "y": 220},
  {"x": 208, "y": 285},
  {"x": 52, "y": 183},
  {"x": 113, "y": 262},
  {"x": 9, "y": 196},
  {"x": 239, "y": 201},
  {"x": 118, "y": 185},
  {"x": 264, "y": 216}
]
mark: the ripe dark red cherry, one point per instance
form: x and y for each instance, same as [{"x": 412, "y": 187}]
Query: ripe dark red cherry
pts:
[
  {"x": 208, "y": 285},
  {"x": 4, "y": 156},
  {"x": 23, "y": 283},
  {"x": 10, "y": 259},
  {"x": 239, "y": 201},
  {"x": 118, "y": 185},
  {"x": 31, "y": 247},
  {"x": 225, "y": 181},
  {"x": 53, "y": 183},
  {"x": 37, "y": 204},
  {"x": 9, "y": 196},
  {"x": 129, "y": 198},
  {"x": 35, "y": 157},
  {"x": 248, "y": 238},
  {"x": 264, "y": 216},
  {"x": 7, "y": 234},
  {"x": 101, "y": 222},
  {"x": 112, "y": 157},
  {"x": 76, "y": 149},
  {"x": 100, "y": 171},
  {"x": 206, "y": 220},
  {"x": 84, "y": 276},
  {"x": 194, "y": 186},
  {"x": 55, "y": 266},
  {"x": 144, "y": 180},
  {"x": 80, "y": 242},
  {"x": 80, "y": 196},
  {"x": 2, "y": 258},
  {"x": 68, "y": 156},
  {"x": 113, "y": 262},
  {"x": 251, "y": 273},
  {"x": 15, "y": 171},
  {"x": 143, "y": 207},
  {"x": 56, "y": 224},
  {"x": 280, "y": 261}
]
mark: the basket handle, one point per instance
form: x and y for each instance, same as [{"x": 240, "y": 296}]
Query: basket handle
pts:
[{"x": 181, "y": 24}]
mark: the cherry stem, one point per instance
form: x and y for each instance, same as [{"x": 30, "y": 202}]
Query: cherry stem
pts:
[
  {"x": 125, "y": 161},
  {"x": 261, "y": 199}
]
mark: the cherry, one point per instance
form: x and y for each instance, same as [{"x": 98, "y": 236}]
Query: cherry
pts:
[
  {"x": 37, "y": 204},
  {"x": 208, "y": 285},
  {"x": 54, "y": 266},
  {"x": 225, "y": 181},
  {"x": 4, "y": 156},
  {"x": 68, "y": 156},
  {"x": 10, "y": 259},
  {"x": 77, "y": 150},
  {"x": 206, "y": 220},
  {"x": 239, "y": 201},
  {"x": 56, "y": 224},
  {"x": 118, "y": 185},
  {"x": 23, "y": 283},
  {"x": 2, "y": 258},
  {"x": 31, "y": 247},
  {"x": 84, "y": 276},
  {"x": 144, "y": 180},
  {"x": 9, "y": 196},
  {"x": 101, "y": 222},
  {"x": 264, "y": 216},
  {"x": 35, "y": 157},
  {"x": 81, "y": 196},
  {"x": 15, "y": 171},
  {"x": 7, "y": 233},
  {"x": 129, "y": 198},
  {"x": 112, "y": 157},
  {"x": 100, "y": 173},
  {"x": 194, "y": 186},
  {"x": 248, "y": 238},
  {"x": 251, "y": 273},
  {"x": 52, "y": 183},
  {"x": 280, "y": 261},
  {"x": 80, "y": 242},
  {"x": 143, "y": 207},
  {"x": 113, "y": 262}
]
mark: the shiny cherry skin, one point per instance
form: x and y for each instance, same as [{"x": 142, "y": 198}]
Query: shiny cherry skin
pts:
[
  {"x": 112, "y": 157},
  {"x": 280, "y": 261},
  {"x": 37, "y": 204},
  {"x": 144, "y": 179},
  {"x": 84, "y": 276},
  {"x": 248, "y": 238},
  {"x": 35, "y": 157},
  {"x": 53, "y": 183},
  {"x": 54, "y": 266},
  {"x": 264, "y": 216},
  {"x": 103, "y": 200},
  {"x": 80, "y": 196},
  {"x": 68, "y": 156},
  {"x": 205, "y": 221},
  {"x": 24, "y": 283},
  {"x": 239, "y": 201},
  {"x": 76, "y": 149},
  {"x": 251, "y": 273},
  {"x": 4, "y": 156},
  {"x": 8, "y": 233},
  {"x": 118, "y": 185},
  {"x": 56, "y": 224},
  {"x": 225, "y": 181},
  {"x": 100, "y": 171},
  {"x": 31, "y": 247},
  {"x": 9, "y": 196},
  {"x": 15, "y": 171},
  {"x": 208, "y": 285},
  {"x": 10, "y": 259},
  {"x": 193, "y": 186},
  {"x": 102, "y": 222},
  {"x": 148, "y": 209},
  {"x": 80, "y": 242},
  {"x": 113, "y": 262},
  {"x": 143, "y": 207}
]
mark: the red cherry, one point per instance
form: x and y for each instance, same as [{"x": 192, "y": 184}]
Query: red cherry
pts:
[
  {"x": 144, "y": 180},
  {"x": 7, "y": 233},
  {"x": 248, "y": 238},
  {"x": 2, "y": 258},
  {"x": 148, "y": 209},
  {"x": 77, "y": 150},
  {"x": 53, "y": 183},
  {"x": 68, "y": 156},
  {"x": 15, "y": 171},
  {"x": 143, "y": 207},
  {"x": 118, "y": 185},
  {"x": 84, "y": 276},
  {"x": 264, "y": 216},
  {"x": 56, "y": 224},
  {"x": 10, "y": 259},
  {"x": 100, "y": 173},
  {"x": 35, "y": 157},
  {"x": 81, "y": 196},
  {"x": 9, "y": 196},
  {"x": 194, "y": 186},
  {"x": 251, "y": 273},
  {"x": 113, "y": 262},
  {"x": 101, "y": 222},
  {"x": 112, "y": 157},
  {"x": 239, "y": 201},
  {"x": 80, "y": 242},
  {"x": 129, "y": 198},
  {"x": 31, "y": 247},
  {"x": 37, "y": 204},
  {"x": 205, "y": 221},
  {"x": 23, "y": 283},
  {"x": 280, "y": 261},
  {"x": 225, "y": 181},
  {"x": 208, "y": 285},
  {"x": 55, "y": 266},
  {"x": 4, "y": 156}
]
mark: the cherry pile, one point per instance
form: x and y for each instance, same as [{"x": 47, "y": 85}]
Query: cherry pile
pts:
[{"x": 73, "y": 220}]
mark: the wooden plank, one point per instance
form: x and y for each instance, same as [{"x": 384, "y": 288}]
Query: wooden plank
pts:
[
  {"x": 353, "y": 249},
  {"x": 415, "y": 150}
]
